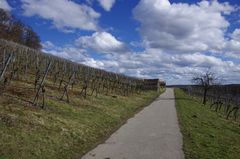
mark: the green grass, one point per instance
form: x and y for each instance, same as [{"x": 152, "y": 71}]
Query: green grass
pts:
[
  {"x": 63, "y": 130},
  {"x": 206, "y": 134}
]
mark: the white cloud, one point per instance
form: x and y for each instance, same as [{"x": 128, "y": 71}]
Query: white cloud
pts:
[
  {"x": 233, "y": 55},
  {"x": 107, "y": 4},
  {"x": 180, "y": 40},
  {"x": 4, "y": 5},
  {"x": 72, "y": 53},
  {"x": 182, "y": 27},
  {"x": 236, "y": 35},
  {"x": 152, "y": 63},
  {"x": 48, "y": 45},
  {"x": 232, "y": 46},
  {"x": 65, "y": 15},
  {"x": 175, "y": 68},
  {"x": 102, "y": 42}
]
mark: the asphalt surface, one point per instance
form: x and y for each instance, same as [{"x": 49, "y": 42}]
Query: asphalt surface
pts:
[{"x": 153, "y": 133}]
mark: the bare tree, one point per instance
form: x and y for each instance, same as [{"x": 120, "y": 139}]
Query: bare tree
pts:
[
  {"x": 30, "y": 38},
  {"x": 206, "y": 81},
  {"x": 15, "y": 30}
]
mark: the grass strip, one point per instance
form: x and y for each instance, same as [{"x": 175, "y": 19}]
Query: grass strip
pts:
[
  {"x": 63, "y": 130},
  {"x": 206, "y": 135}
]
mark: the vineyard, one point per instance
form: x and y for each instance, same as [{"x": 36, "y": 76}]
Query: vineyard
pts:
[
  {"x": 54, "y": 108},
  {"x": 39, "y": 74},
  {"x": 224, "y": 99}
]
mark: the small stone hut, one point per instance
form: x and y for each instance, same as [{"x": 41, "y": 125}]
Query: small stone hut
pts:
[{"x": 153, "y": 84}]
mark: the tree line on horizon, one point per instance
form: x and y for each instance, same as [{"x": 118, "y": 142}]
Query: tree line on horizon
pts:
[{"x": 15, "y": 30}]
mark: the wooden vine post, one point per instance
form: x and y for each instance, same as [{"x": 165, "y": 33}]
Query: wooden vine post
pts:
[
  {"x": 6, "y": 66},
  {"x": 66, "y": 87},
  {"x": 41, "y": 85}
]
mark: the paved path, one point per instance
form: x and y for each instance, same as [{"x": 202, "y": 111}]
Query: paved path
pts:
[{"x": 152, "y": 134}]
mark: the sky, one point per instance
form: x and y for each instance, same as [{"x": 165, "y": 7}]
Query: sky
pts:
[{"x": 173, "y": 40}]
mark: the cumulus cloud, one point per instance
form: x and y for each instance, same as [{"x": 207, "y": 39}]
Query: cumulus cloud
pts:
[
  {"x": 232, "y": 46},
  {"x": 175, "y": 68},
  {"x": 72, "y": 53},
  {"x": 107, "y": 4},
  {"x": 102, "y": 42},
  {"x": 65, "y": 15},
  {"x": 152, "y": 63},
  {"x": 236, "y": 35},
  {"x": 183, "y": 39},
  {"x": 48, "y": 45},
  {"x": 180, "y": 40},
  {"x": 182, "y": 27},
  {"x": 4, "y": 5}
]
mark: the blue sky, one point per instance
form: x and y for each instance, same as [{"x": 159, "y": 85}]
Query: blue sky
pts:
[{"x": 168, "y": 39}]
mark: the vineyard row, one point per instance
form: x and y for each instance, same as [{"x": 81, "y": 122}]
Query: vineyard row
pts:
[{"x": 37, "y": 74}]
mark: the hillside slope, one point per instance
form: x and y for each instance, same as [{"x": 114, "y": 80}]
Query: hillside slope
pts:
[
  {"x": 54, "y": 108},
  {"x": 63, "y": 130}
]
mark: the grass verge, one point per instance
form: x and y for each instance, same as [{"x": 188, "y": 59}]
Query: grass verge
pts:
[
  {"x": 206, "y": 135},
  {"x": 63, "y": 130}
]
